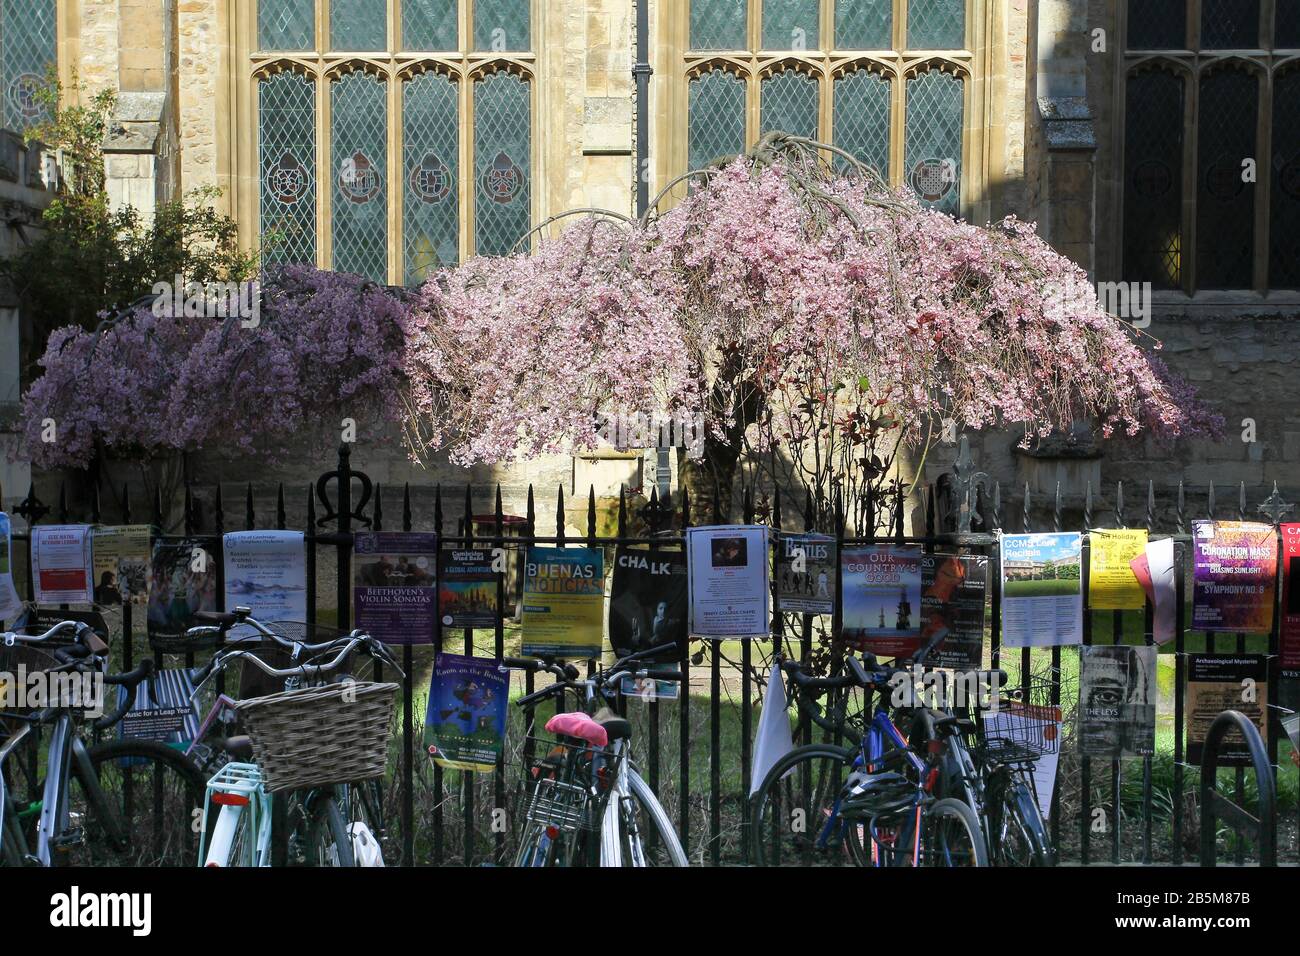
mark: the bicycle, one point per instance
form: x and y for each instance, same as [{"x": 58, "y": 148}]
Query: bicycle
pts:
[
  {"x": 587, "y": 804},
  {"x": 126, "y": 802},
  {"x": 310, "y": 764},
  {"x": 885, "y": 802}
]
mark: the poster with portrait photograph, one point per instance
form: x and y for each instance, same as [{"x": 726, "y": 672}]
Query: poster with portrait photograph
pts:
[
  {"x": 465, "y": 723},
  {"x": 61, "y": 563},
  {"x": 120, "y": 558},
  {"x": 881, "y": 587},
  {"x": 953, "y": 592},
  {"x": 467, "y": 588},
  {"x": 182, "y": 582},
  {"x": 564, "y": 603},
  {"x": 395, "y": 595},
  {"x": 729, "y": 587},
  {"x": 648, "y": 603},
  {"x": 1117, "y": 700},
  {"x": 1042, "y": 597},
  {"x": 10, "y": 604},
  {"x": 805, "y": 573},
  {"x": 1219, "y": 682},
  {"x": 266, "y": 572},
  {"x": 1234, "y": 564}
]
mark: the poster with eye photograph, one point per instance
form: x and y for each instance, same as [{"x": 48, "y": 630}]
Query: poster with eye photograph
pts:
[
  {"x": 729, "y": 588},
  {"x": 10, "y": 604},
  {"x": 120, "y": 558},
  {"x": 182, "y": 582},
  {"x": 805, "y": 574},
  {"x": 266, "y": 572},
  {"x": 61, "y": 564},
  {"x": 1042, "y": 599},
  {"x": 564, "y": 603},
  {"x": 1233, "y": 570},
  {"x": 395, "y": 596},
  {"x": 953, "y": 589},
  {"x": 1219, "y": 682},
  {"x": 464, "y": 725},
  {"x": 881, "y": 586},
  {"x": 1117, "y": 700},
  {"x": 647, "y": 602},
  {"x": 467, "y": 588}
]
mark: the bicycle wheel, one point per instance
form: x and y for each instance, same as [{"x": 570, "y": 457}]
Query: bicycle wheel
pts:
[
  {"x": 646, "y": 836},
  {"x": 156, "y": 793},
  {"x": 319, "y": 832},
  {"x": 952, "y": 836},
  {"x": 1019, "y": 836},
  {"x": 794, "y": 818}
]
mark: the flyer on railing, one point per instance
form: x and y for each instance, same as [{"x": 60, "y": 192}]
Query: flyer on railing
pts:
[
  {"x": 182, "y": 582},
  {"x": 1219, "y": 682},
  {"x": 647, "y": 601},
  {"x": 266, "y": 571},
  {"x": 464, "y": 725},
  {"x": 564, "y": 603},
  {"x": 395, "y": 594},
  {"x": 10, "y": 605},
  {"x": 805, "y": 573},
  {"x": 1042, "y": 599},
  {"x": 120, "y": 556},
  {"x": 729, "y": 590},
  {"x": 1112, "y": 585},
  {"x": 953, "y": 594},
  {"x": 61, "y": 564},
  {"x": 1289, "y": 639},
  {"x": 467, "y": 588},
  {"x": 1233, "y": 576},
  {"x": 882, "y": 598},
  {"x": 1117, "y": 700}
]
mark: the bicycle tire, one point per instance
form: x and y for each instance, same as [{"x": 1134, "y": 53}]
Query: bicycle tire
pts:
[
  {"x": 939, "y": 848},
  {"x": 776, "y": 803},
  {"x": 328, "y": 843},
  {"x": 149, "y": 782},
  {"x": 1021, "y": 821},
  {"x": 667, "y": 846}
]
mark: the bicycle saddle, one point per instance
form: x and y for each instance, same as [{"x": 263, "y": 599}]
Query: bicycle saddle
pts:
[
  {"x": 615, "y": 726},
  {"x": 578, "y": 724}
]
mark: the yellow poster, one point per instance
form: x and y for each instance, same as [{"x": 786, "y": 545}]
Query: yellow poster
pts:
[
  {"x": 1112, "y": 585},
  {"x": 120, "y": 555}
]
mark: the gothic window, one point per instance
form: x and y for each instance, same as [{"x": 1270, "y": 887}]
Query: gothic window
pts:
[{"x": 27, "y": 50}]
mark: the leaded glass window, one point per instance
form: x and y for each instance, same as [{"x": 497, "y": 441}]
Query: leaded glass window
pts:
[
  {"x": 933, "y": 139},
  {"x": 502, "y": 155},
  {"x": 27, "y": 50},
  {"x": 861, "y": 126},
  {"x": 358, "y": 157},
  {"x": 502, "y": 26},
  {"x": 790, "y": 103},
  {"x": 429, "y": 25},
  {"x": 936, "y": 24},
  {"x": 286, "y": 24},
  {"x": 1157, "y": 24},
  {"x": 1230, "y": 24},
  {"x": 716, "y": 117},
  {"x": 286, "y": 140},
  {"x": 864, "y": 24},
  {"x": 431, "y": 171},
  {"x": 791, "y": 24},
  {"x": 1225, "y": 201},
  {"x": 1284, "y": 227},
  {"x": 360, "y": 25},
  {"x": 1153, "y": 180},
  {"x": 719, "y": 24}
]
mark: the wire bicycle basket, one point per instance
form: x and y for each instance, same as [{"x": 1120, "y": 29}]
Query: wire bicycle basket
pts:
[
  {"x": 562, "y": 790},
  {"x": 17, "y": 663},
  {"x": 1022, "y": 722}
]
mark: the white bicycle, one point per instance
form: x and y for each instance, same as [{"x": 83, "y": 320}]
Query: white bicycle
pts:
[{"x": 587, "y": 804}]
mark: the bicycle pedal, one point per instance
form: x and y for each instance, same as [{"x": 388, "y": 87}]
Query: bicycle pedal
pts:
[{"x": 69, "y": 839}]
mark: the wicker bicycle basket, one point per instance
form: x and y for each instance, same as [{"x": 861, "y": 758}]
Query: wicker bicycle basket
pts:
[{"x": 316, "y": 736}]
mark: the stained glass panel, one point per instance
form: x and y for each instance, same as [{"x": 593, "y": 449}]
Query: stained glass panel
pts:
[
  {"x": 719, "y": 24},
  {"x": 1286, "y": 31},
  {"x": 1284, "y": 269},
  {"x": 864, "y": 24},
  {"x": 358, "y": 157},
  {"x": 360, "y": 25},
  {"x": 1157, "y": 24},
  {"x": 789, "y": 103},
  {"x": 286, "y": 24},
  {"x": 791, "y": 24},
  {"x": 932, "y": 146},
  {"x": 862, "y": 107},
  {"x": 1153, "y": 180},
  {"x": 429, "y": 25},
  {"x": 431, "y": 170},
  {"x": 936, "y": 24},
  {"x": 502, "y": 158},
  {"x": 716, "y": 123},
  {"x": 1230, "y": 24},
  {"x": 501, "y": 26},
  {"x": 27, "y": 48},
  {"x": 286, "y": 141},
  {"x": 1225, "y": 202}
]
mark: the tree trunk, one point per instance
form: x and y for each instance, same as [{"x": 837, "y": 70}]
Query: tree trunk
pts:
[{"x": 710, "y": 478}]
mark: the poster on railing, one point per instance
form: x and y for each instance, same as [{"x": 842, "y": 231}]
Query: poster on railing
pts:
[
  {"x": 729, "y": 588},
  {"x": 10, "y": 604},
  {"x": 467, "y": 588},
  {"x": 1112, "y": 585},
  {"x": 266, "y": 572},
  {"x": 1117, "y": 700},
  {"x": 1289, "y": 638},
  {"x": 564, "y": 603},
  {"x": 1234, "y": 565},
  {"x": 465, "y": 723},
  {"x": 120, "y": 558},
  {"x": 1156, "y": 574},
  {"x": 1219, "y": 682},
  {"x": 61, "y": 564},
  {"x": 163, "y": 709},
  {"x": 1042, "y": 598},
  {"x": 182, "y": 582},
  {"x": 647, "y": 601},
  {"x": 395, "y": 594},
  {"x": 953, "y": 589},
  {"x": 881, "y": 586},
  {"x": 805, "y": 574}
]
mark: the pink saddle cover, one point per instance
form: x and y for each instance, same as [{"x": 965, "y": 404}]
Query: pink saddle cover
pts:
[{"x": 578, "y": 724}]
